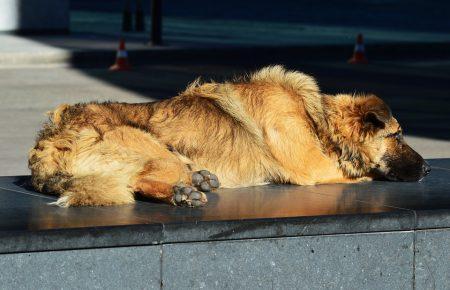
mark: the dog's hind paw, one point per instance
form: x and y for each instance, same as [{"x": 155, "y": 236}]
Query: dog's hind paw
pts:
[
  {"x": 188, "y": 196},
  {"x": 205, "y": 181}
]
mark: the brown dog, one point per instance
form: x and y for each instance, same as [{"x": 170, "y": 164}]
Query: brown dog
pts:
[{"x": 275, "y": 126}]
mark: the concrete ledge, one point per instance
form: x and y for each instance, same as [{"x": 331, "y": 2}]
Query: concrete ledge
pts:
[
  {"x": 379, "y": 235},
  {"x": 383, "y": 260},
  {"x": 361, "y": 261},
  {"x": 112, "y": 268},
  {"x": 432, "y": 259},
  {"x": 29, "y": 224}
]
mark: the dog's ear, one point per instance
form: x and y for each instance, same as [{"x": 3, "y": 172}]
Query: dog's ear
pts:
[
  {"x": 376, "y": 119},
  {"x": 374, "y": 112}
]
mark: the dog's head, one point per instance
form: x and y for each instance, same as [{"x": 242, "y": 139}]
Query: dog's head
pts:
[{"x": 372, "y": 135}]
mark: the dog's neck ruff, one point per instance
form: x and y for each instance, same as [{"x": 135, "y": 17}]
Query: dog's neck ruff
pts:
[{"x": 349, "y": 159}]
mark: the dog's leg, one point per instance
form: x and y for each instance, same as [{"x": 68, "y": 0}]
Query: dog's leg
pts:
[
  {"x": 345, "y": 180},
  {"x": 182, "y": 195},
  {"x": 327, "y": 176},
  {"x": 150, "y": 168},
  {"x": 171, "y": 181}
]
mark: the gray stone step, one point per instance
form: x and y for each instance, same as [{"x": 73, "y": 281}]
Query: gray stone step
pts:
[{"x": 378, "y": 235}]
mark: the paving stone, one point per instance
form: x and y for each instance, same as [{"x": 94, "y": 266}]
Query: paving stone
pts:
[
  {"x": 364, "y": 261},
  {"x": 432, "y": 269},
  {"x": 113, "y": 268}
]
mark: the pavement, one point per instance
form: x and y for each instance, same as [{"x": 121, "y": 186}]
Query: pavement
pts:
[{"x": 94, "y": 39}]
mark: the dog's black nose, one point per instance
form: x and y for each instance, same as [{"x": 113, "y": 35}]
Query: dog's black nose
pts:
[{"x": 426, "y": 168}]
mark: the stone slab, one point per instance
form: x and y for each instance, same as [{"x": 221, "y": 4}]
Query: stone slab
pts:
[
  {"x": 29, "y": 223},
  {"x": 432, "y": 219},
  {"x": 287, "y": 227},
  {"x": 79, "y": 238},
  {"x": 363, "y": 261},
  {"x": 441, "y": 163},
  {"x": 429, "y": 194},
  {"x": 432, "y": 269},
  {"x": 429, "y": 199},
  {"x": 113, "y": 268}
]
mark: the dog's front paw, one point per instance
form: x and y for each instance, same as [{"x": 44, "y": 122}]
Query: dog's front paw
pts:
[
  {"x": 205, "y": 181},
  {"x": 188, "y": 196}
]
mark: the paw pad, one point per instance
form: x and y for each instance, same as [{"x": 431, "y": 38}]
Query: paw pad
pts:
[
  {"x": 188, "y": 196},
  {"x": 205, "y": 180}
]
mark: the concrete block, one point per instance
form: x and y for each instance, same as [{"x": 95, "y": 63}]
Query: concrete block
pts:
[
  {"x": 354, "y": 261},
  {"x": 433, "y": 259},
  {"x": 111, "y": 268}
]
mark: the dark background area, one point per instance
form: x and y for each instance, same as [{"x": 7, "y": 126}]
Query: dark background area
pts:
[{"x": 419, "y": 15}]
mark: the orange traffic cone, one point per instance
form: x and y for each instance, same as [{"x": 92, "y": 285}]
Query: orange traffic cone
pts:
[
  {"x": 121, "y": 63},
  {"x": 359, "y": 54}
]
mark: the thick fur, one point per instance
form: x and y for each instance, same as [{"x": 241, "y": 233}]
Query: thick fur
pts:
[{"x": 273, "y": 126}]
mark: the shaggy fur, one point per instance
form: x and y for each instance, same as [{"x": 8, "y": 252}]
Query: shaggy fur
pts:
[{"x": 273, "y": 127}]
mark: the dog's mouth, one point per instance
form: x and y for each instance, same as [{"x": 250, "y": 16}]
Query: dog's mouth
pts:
[
  {"x": 404, "y": 164},
  {"x": 389, "y": 176},
  {"x": 392, "y": 175},
  {"x": 418, "y": 176}
]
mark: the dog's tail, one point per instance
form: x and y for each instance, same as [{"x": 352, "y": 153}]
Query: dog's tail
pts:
[
  {"x": 92, "y": 190},
  {"x": 89, "y": 190}
]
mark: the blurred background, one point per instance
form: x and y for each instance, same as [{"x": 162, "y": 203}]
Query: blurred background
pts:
[{"x": 61, "y": 51}]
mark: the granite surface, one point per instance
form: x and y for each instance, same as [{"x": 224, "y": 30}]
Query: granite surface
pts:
[
  {"x": 28, "y": 223},
  {"x": 358, "y": 261},
  {"x": 113, "y": 268},
  {"x": 432, "y": 269}
]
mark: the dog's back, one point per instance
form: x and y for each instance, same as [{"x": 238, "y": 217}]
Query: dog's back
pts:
[{"x": 100, "y": 154}]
